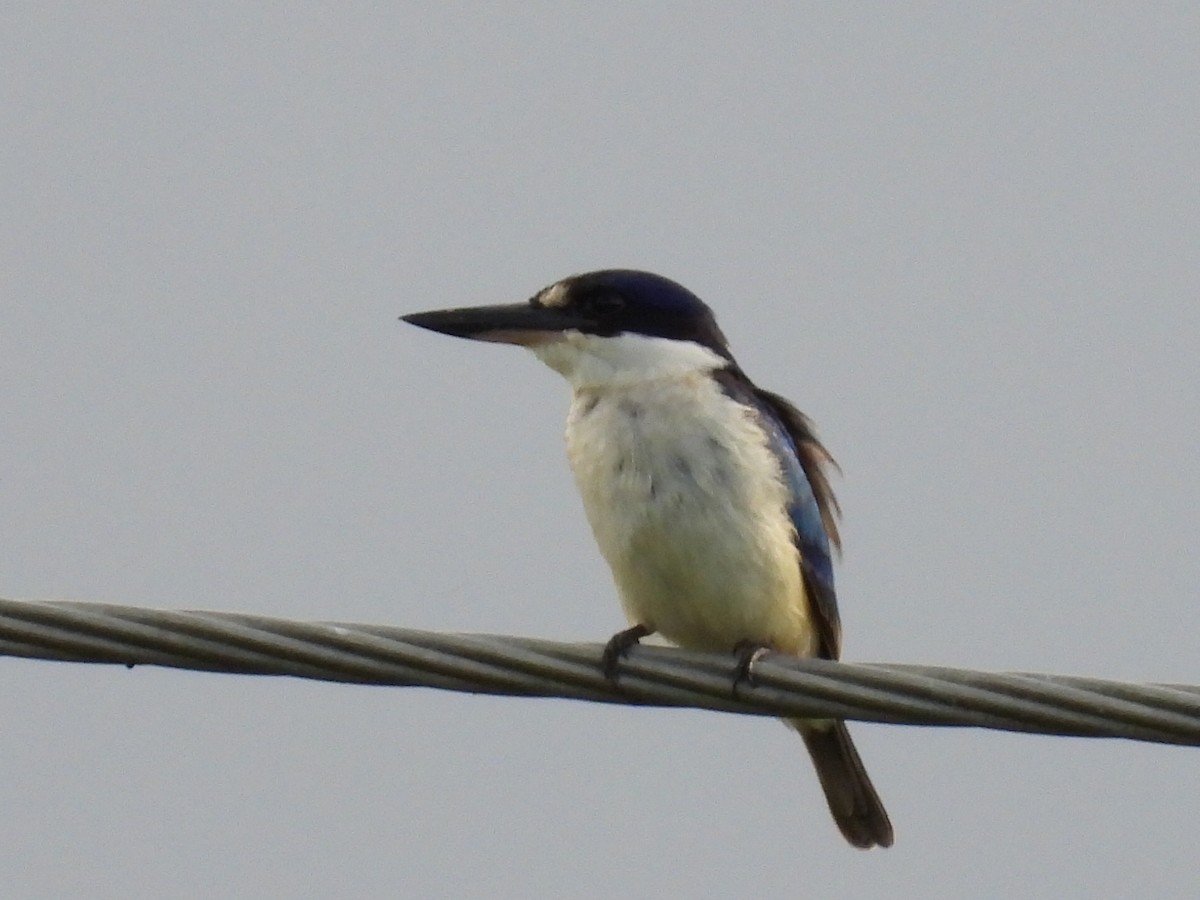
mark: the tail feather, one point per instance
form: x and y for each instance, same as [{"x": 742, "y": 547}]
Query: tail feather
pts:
[{"x": 856, "y": 808}]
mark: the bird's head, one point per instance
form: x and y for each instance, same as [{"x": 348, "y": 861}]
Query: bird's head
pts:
[{"x": 605, "y": 327}]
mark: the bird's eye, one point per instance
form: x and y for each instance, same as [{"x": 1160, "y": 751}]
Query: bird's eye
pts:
[{"x": 605, "y": 304}]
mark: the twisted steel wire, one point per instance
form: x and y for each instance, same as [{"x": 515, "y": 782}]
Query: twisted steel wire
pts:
[{"x": 649, "y": 676}]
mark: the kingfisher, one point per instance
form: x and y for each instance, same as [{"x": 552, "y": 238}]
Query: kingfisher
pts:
[{"x": 708, "y": 496}]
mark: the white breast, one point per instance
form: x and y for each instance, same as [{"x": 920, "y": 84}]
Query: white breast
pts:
[{"x": 689, "y": 508}]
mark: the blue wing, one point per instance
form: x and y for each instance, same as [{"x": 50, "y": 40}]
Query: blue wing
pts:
[{"x": 813, "y": 508}]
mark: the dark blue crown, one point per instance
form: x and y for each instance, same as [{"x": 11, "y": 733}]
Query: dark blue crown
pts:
[{"x": 628, "y": 301}]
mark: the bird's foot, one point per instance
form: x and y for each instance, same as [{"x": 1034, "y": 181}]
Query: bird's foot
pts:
[
  {"x": 747, "y": 653},
  {"x": 618, "y": 645}
]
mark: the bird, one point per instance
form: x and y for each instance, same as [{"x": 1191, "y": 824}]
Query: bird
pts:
[{"x": 709, "y": 497}]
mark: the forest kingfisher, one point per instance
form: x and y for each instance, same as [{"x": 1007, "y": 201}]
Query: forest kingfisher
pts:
[{"x": 708, "y": 496}]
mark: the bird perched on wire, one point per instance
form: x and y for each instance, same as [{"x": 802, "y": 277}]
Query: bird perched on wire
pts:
[{"x": 707, "y": 495}]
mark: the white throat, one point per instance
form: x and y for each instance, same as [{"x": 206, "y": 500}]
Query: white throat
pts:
[{"x": 590, "y": 361}]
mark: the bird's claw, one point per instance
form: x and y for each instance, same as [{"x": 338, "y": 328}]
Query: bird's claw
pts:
[
  {"x": 747, "y": 653},
  {"x": 618, "y": 645}
]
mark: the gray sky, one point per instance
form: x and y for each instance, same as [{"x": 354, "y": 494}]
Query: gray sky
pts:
[{"x": 962, "y": 238}]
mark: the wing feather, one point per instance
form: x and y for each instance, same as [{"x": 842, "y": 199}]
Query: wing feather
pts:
[
  {"x": 814, "y": 512},
  {"x": 814, "y": 509}
]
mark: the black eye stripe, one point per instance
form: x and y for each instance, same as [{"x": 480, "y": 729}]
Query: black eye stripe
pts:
[{"x": 606, "y": 303}]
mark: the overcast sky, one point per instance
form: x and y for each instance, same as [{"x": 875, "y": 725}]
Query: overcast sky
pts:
[{"x": 962, "y": 237}]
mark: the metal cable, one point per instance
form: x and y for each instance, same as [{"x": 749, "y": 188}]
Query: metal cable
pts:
[{"x": 649, "y": 676}]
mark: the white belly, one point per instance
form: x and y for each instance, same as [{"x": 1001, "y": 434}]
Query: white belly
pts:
[{"x": 689, "y": 508}]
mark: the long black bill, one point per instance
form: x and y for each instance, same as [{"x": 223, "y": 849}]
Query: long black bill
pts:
[{"x": 515, "y": 323}]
